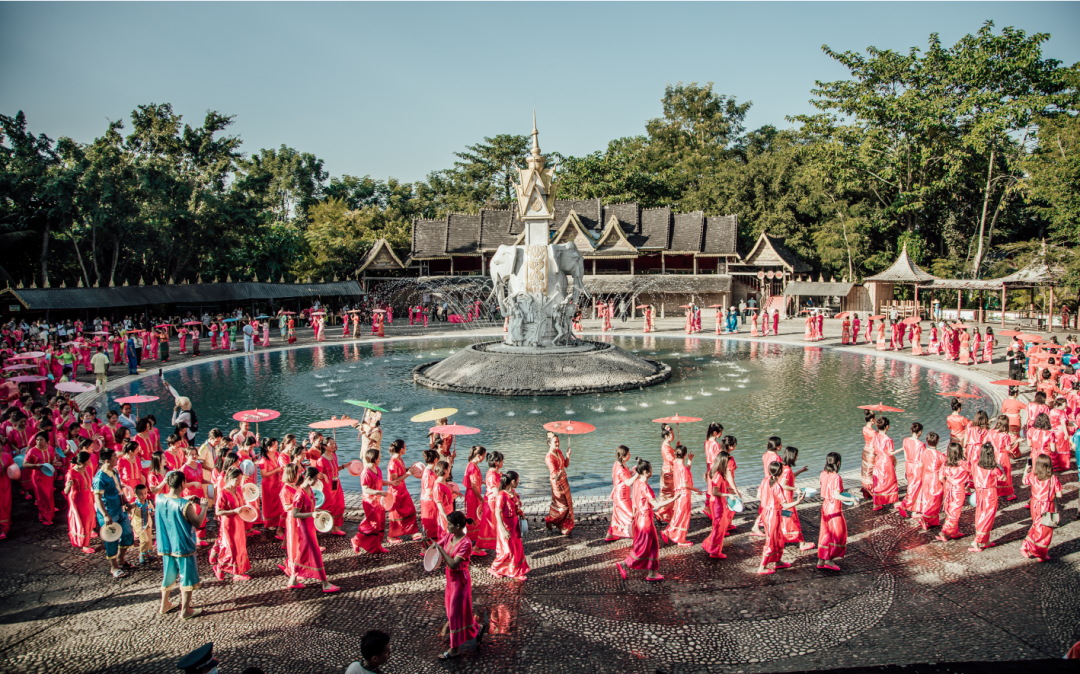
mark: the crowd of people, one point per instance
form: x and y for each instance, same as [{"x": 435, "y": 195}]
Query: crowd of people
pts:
[{"x": 172, "y": 499}]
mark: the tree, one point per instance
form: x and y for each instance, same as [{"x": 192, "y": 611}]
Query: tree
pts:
[
  {"x": 24, "y": 187},
  {"x": 615, "y": 175},
  {"x": 492, "y": 165},
  {"x": 338, "y": 237},
  {"x": 290, "y": 182}
]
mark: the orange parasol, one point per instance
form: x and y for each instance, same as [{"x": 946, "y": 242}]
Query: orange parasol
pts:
[
  {"x": 957, "y": 394},
  {"x": 912, "y": 320},
  {"x": 880, "y": 408},
  {"x": 569, "y": 428},
  {"x": 1031, "y": 338},
  {"x": 1009, "y": 382},
  {"x": 876, "y": 318},
  {"x": 676, "y": 419},
  {"x": 716, "y": 306},
  {"x": 843, "y": 314},
  {"x": 1009, "y": 333}
]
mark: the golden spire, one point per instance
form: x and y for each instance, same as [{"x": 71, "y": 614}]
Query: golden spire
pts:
[{"x": 535, "y": 160}]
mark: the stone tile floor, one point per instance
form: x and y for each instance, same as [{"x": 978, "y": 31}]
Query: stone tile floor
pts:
[{"x": 901, "y": 598}]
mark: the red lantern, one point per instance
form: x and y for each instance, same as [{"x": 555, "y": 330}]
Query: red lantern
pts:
[
  {"x": 769, "y": 274},
  {"x": 761, "y": 274}
]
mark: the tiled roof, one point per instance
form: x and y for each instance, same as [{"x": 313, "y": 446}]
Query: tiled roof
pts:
[
  {"x": 687, "y": 230},
  {"x": 629, "y": 216},
  {"x": 904, "y": 270},
  {"x": 429, "y": 238},
  {"x": 462, "y": 234},
  {"x": 721, "y": 235},
  {"x": 666, "y": 283},
  {"x": 495, "y": 229},
  {"x": 655, "y": 228}
]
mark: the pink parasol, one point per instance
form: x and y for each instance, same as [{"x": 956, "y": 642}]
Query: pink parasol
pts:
[
  {"x": 454, "y": 429},
  {"x": 255, "y": 416},
  {"x": 842, "y": 314},
  {"x": 1031, "y": 338},
  {"x": 957, "y": 394},
  {"x": 28, "y": 378},
  {"x": 193, "y": 323},
  {"x": 29, "y": 355},
  {"x": 135, "y": 400},
  {"x": 1009, "y": 333},
  {"x": 1009, "y": 382},
  {"x": 912, "y": 320},
  {"x": 163, "y": 325},
  {"x": 716, "y": 306},
  {"x": 333, "y": 423},
  {"x": 74, "y": 387},
  {"x": 569, "y": 428},
  {"x": 20, "y": 367}
]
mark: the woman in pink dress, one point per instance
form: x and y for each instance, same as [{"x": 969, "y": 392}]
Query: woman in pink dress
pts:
[
  {"x": 429, "y": 517},
  {"x": 80, "y": 496},
  {"x": 492, "y": 480},
  {"x": 369, "y": 534},
  {"x": 266, "y": 332},
  {"x": 472, "y": 485},
  {"x": 808, "y": 328},
  {"x": 679, "y": 525},
  {"x": 38, "y": 456},
  {"x": 1040, "y": 438},
  {"x": 869, "y": 432},
  {"x": 957, "y": 423},
  {"x": 986, "y": 473},
  {"x": 442, "y": 495},
  {"x": 916, "y": 340},
  {"x": 976, "y": 346},
  {"x": 645, "y": 553},
  {"x": 845, "y": 331},
  {"x": 988, "y": 346},
  {"x": 456, "y": 549},
  {"x": 1045, "y": 486},
  {"x": 882, "y": 345},
  {"x": 957, "y": 475},
  {"x": 1003, "y": 450},
  {"x": 931, "y": 488},
  {"x": 772, "y": 505},
  {"x": 855, "y": 329},
  {"x": 720, "y": 483},
  {"x": 776, "y": 321},
  {"x": 913, "y": 451},
  {"x": 790, "y": 527},
  {"x": 667, "y": 472},
  {"x": 886, "y": 490},
  {"x": 820, "y": 323},
  {"x": 712, "y": 448},
  {"x": 323, "y": 456},
  {"x": 129, "y": 468},
  {"x": 832, "y": 533},
  {"x": 561, "y": 512},
  {"x": 214, "y": 329},
  {"x": 509, "y": 551},
  {"x": 232, "y": 556},
  {"x": 182, "y": 333},
  {"x": 273, "y": 515},
  {"x": 975, "y": 436},
  {"x": 753, "y": 323},
  {"x": 304, "y": 557},
  {"x": 965, "y": 348},
  {"x": 622, "y": 507},
  {"x": 772, "y": 455},
  {"x": 401, "y": 516}
]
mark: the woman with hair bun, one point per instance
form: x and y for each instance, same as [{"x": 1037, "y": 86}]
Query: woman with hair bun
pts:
[
  {"x": 455, "y": 549},
  {"x": 1045, "y": 486},
  {"x": 561, "y": 512},
  {"x": 832, "y": 534},
  {"x": 886, "y": 490},
  {"x": 772, "y": 507},
  {"x": 957, "y": 475},
  {"x": 866, "y": 474},
  {"x": 913, "y": 451},
  {"x": 622, "y": 506},
  {"x": 790, "y": 526},
  {"x": 401, "y": 516},
  {"x": 509, "y": 550},
  {"x": 369, "y": 534},
  {"x": 931, "y": 490},
  {"x": 986, "y": 473},
  {"x": 472, "y": 484},
  {"x": 957, "y": 422},
  {"x": 720, "y": 483},
  {"x": 645, "y": 553}
]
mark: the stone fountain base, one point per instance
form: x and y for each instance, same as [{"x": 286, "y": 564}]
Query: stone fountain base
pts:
[{"x": 492, "y": 368}]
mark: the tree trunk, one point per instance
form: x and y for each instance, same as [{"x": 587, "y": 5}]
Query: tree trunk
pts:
[
  {"x": 982, "y": 220},
  {"x": 78, "y": 255},
  {"x": 45, "y": 256},
  {"x": 93, "y": 254},
  {"x": 115, "y": 257}
]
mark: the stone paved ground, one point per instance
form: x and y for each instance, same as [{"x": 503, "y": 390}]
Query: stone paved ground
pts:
[{"x": 901, "y": 598}]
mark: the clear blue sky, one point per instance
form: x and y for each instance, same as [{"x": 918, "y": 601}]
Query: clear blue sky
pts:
[{"x": 395, "y": 89}]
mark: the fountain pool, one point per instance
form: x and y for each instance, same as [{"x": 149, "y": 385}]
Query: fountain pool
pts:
[{"x": 807, "y": 396}]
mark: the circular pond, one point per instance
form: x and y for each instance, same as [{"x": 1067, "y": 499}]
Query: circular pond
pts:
[{"x": 807, "y": 396}]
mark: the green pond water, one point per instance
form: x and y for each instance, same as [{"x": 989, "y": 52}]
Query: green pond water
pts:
[{"x": 807, "y": 396}]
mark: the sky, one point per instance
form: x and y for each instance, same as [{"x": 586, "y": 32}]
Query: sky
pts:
[{"x": 394, "y": 89}]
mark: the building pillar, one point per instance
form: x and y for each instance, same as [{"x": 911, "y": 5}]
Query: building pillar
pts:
[
  {"x": 631, "y": 266},
  {"x": 1050, "y": 316},
  {"x": 663, "y": 269},
  {"x": 695, "y": 265},
  {"x": 594, "y": 267},
  {"x": 1003, "y": 305}
]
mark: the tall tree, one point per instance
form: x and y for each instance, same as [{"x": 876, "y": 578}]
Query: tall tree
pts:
[{"x": 493, "y": 164}]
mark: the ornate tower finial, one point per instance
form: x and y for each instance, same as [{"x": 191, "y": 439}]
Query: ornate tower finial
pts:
[{"x": 536, "y": 137}]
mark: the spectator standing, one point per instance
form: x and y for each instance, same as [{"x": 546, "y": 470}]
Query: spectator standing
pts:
[
  {"x": 742, "y": 311},
  {"x": 374, "y": 653},
  {"x": 100, "y": 362}
]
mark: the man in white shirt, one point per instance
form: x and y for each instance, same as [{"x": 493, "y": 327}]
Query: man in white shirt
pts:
[
  {"x": 100, "y": 362},
  {"x": 249, "y": 338}
]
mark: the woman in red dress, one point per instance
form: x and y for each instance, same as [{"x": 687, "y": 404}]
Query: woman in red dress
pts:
[
  {"x": 913, "y": 451},
  {"x": 1041, "y": 437},
  {"x": 931, "y": 489},
  {"x": 771, "y": 455},
  {"x": 129, "y": 468},
  {"x": 667, "y": 472},
  {"x": 443, "y": 497},
  {"x": 976, "y": 346},
  {"x": 886, "y": 490},
  {"x": 790, "y": 527},
  {"x": 472, "y": 484},
  {"x": 866, "y": 474},
  {"x": 679, "y": 525},
  {"x": 645, "y": 553},
  {"x": 916, "y": 340},
  {"x": 965, "y": 348},
  {"x": 80, "y": 495},
  {"x": 402, "y": 514},
  {"x": 455, "y": 549},
  {"x": 622, "y": 507},
  {"x": 986, "y": 474},
  {"x": 882, "y": 345},
  {"x": 720, "y": 483},
  {"x": 321, "y": 457},
  {"x": 771, "y": 494},
  {"x": 988, "y": 346},
  {"x": 957, "y": 475},
  {"x": 38, "y": 456},
  {"x": 832, "y": 534},
  {"x": 1045, "y": 486},
  {"x": 304, "y": 555},
  {"x": 492, "y": 480},
  {"x": 270, "y": 468},
  {"x": 1035, "y": 408},
  {"x": 232, "y": 556},
  {"x": 975, "y": 436},
  {"x": 561, "y": 512},
  {"x": 509, "y": 550},
  {"x": 369, "y": 534},
  {"x": 712, "y": 448}
]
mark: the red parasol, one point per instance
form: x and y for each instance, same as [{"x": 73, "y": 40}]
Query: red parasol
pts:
[
  {"x": 164, "y": 325},
  {"x": 677, "y": 419},
  {"x": 880, "y": 408},
  {"x": 642, "y": 306},
  {"x": 716, "y": 306},
  {"x": 1009, "y": 333},
  {"x": 100, "y": 332},
  {"x": 193, "y": 323},
  {"x": 288, "y": 313},
  {"x": 28, "y": 378},
  {"x": 1009, "y": 382},
  {"x": 29, "y": 355},
  {"x": 135, "y": 400},
  {"x": 1031, "y": 338},
  {"x": 957, "y": 394},
  {"x": 569, "y": 428},
  {"x": 876, "y": 318},
  {"x": 686, "y": 306},
  {"x": 74, "y": 387},
  {"x": 960, "y": 326},
  {"x": 912, "y": 320},
  {"x": 454, "y": 429},
  {"x": 842, "y": 314},
  {"x": 318, "y": 313}
]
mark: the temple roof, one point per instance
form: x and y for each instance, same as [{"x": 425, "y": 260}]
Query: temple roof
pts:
[
  {"x": 904, "y": 270},
  {"x": 771, "y": 251}
]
